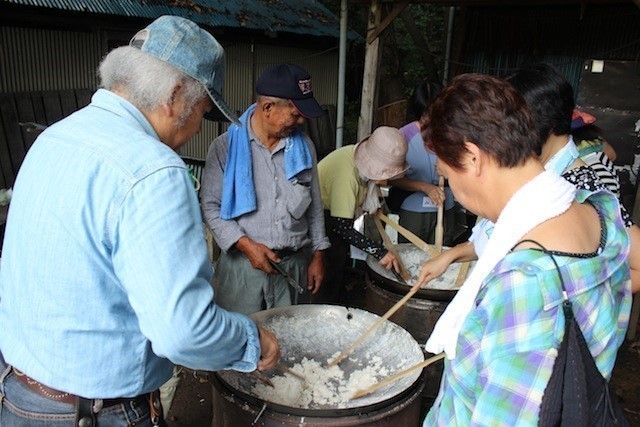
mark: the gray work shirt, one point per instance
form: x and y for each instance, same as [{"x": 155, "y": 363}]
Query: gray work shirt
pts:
[{"x": 288, "y": 215}]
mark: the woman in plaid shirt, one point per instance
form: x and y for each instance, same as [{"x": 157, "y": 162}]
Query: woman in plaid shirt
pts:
[{"x": 502, "y": 331}]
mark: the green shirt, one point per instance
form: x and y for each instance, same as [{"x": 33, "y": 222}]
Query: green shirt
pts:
[{"x": 340, "y": 185}]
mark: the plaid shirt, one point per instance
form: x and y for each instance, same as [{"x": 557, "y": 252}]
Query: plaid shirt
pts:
[{"x": 509, "y": 342}]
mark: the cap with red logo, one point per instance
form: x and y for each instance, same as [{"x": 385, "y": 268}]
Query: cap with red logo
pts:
[{"x": 290, "y": 82}]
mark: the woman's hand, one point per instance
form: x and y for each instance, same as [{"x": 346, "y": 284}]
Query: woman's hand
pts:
[
  {"x": 436, "y": 266},
  {"x": 269, "y": 348},
  {"x": 435, "y": 193},
  {"x": 390, "y": 261},
  {"x": 433, "y": 268}
]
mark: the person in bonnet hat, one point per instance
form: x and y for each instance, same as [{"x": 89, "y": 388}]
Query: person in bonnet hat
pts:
[
  {"x": 348, "y": 183},
  {"x": 105, "y": 271},
  {"x": 261, "y": 199}
]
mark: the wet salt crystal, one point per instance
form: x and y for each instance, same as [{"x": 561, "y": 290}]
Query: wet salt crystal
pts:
[
  {"x": 322, "y": 386},
  {"x": 414, "y": 258}
]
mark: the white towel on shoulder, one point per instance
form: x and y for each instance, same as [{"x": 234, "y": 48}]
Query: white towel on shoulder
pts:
[{"x": 544, "y": 197}]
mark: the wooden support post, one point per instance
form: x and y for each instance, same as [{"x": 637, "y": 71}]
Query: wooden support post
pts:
[
  {"x": 387, "y": 20},
  {"x": 370, "y": 76}
]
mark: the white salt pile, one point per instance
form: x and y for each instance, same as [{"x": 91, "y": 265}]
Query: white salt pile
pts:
[
  {"x": 322, "y": 386},
  {"x": 309, "y": 336}
]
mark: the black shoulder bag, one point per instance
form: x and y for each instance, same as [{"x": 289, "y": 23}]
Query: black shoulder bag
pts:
[{"x": 577, "y": 394}]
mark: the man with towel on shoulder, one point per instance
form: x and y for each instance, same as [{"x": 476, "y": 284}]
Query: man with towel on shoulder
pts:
[{"x": 261, "y": 198}]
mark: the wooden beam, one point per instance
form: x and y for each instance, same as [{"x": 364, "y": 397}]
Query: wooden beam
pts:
[
  {"x": 457, "y": 47},
  {"x": 370, "y": 75},
  {"x": 392, "y": 15}
]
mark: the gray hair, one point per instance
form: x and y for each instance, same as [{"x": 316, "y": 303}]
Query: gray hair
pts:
[
  {"x": 148, "y": 81},
  {"x": 272, "y": 99}
]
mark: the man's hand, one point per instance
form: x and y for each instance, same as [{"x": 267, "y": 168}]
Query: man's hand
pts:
[
  {"x": 258, "y": 254},
  {"x": 315, "y": 272},
  {"x": 269, "y": 349}
]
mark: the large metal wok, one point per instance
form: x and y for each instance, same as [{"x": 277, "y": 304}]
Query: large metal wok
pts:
[
  {"x": 442, "y": 288},
  {"x": 320, "y": 332}
]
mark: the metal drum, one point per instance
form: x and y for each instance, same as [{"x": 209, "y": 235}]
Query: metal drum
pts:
[
  {"x": 418, "y": 315},
  {"x": 319, "y": 332}
]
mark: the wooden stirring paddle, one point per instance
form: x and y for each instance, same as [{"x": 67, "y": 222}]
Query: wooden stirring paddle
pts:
[
  {"x": 262, "y": 378},
  {"x": 283, "y": 368},
  {"x": 346, "y": 353},
  {"x": 462, "y": 274},
  {"x": 368, "y": 332},
  {"x": 440, "y": 219},
  {"x": 389, "y": 246},
  {"x": 396, "y": 377},
  {"x": 421, "y": 244}
]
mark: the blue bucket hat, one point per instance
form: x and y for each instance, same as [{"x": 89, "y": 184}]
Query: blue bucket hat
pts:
[{"x": 184, "y": 45}]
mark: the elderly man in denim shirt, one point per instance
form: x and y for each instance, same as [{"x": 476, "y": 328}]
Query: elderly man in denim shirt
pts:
[{"x": 105, "y": 275}]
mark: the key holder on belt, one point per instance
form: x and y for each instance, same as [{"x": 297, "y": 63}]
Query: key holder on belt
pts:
[{"x": 294, "y": 284}]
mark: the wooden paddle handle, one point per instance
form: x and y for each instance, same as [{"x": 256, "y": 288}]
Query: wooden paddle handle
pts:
[
  {"x": 440, "y": 221},
  {"x": 462, "y": 274},
  {"x": 368, "y": 332},
  {"x": 421, "y": 244},
  {"x": 396, "y": 377},
  {"x": 389, "y": 245},
  {"x": 262, "y": 378},
  {"x": 283, "y": 368}
]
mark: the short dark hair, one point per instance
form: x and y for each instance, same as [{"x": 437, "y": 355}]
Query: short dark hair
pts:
[
  {"x": 421, "y": 97},
  {"x": 550, "y": 98},
  {"x": 484, "y": 110}
]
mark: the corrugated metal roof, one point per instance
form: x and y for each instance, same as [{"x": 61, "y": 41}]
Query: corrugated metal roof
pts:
[{"x": 307, "y": 17}]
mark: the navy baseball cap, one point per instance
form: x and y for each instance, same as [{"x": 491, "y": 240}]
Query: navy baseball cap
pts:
[{"x": 290, "y": 82}]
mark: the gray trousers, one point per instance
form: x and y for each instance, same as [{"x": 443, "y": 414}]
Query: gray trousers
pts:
[{"x": 240, "y": 287}]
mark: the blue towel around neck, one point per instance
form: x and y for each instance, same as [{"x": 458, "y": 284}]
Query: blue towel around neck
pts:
[{"x": 238, "y": 189}]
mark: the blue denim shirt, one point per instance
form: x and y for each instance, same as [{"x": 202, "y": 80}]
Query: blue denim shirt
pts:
[{"x": 105, "y": 272}]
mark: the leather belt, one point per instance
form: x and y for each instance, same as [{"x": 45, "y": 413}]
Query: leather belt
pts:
[
  {"x": 61, "y": 396},
  {"x": 284, "y": 252}
]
